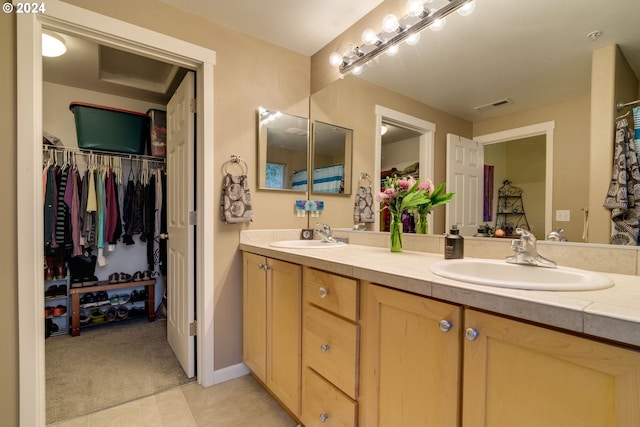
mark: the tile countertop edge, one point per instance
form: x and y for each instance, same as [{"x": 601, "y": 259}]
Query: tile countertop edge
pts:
[{"x": 582, "y": 312}]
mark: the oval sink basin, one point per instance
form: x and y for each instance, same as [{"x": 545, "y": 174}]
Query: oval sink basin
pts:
[
  {"x": 505, "y": 275},
  {"x": 306, "y": 244}
]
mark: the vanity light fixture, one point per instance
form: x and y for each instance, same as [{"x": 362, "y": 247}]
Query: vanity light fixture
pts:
[
  {"x": 53, "y": 44},
  {"x": 395, "y": 31}
]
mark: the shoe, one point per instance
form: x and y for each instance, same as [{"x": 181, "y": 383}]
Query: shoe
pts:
[
  {"x": 102, "y": 298},
  {"x": 123, "y": 298},
  {"x": 124, "y": 277},
  {"x": 84, "y": 319},
  {"x": 59, "y": 310},
  {"x": 137, "y": 276},
  {"x": 122, "y": 312},
  {"x": 114, "y": 278},
  {"x": 97, "y": 316},
  {"x": 61, "y": 291},
  {"x": 110, "y": 315},
  {"x": 146, "y": 275},
  {"x": 51, "y": 291},
  {"x": 88, "y": 300}
]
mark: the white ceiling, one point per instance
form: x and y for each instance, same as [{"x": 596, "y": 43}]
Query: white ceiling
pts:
[{"x": 534, "y": 52}]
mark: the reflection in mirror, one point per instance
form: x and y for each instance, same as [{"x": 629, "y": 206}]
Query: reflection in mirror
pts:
[
  {"x": 400, "y": 155},
  {"x": 282, "y": 151},
  {"x": 331, "y": 160}
]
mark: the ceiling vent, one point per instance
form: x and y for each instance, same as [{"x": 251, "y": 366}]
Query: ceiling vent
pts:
[{"x": 493, "y": 104}]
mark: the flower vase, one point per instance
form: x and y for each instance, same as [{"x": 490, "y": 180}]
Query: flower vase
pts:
[
  {"x": 395, "y": 232},
  {"x": 422, "y": 225}
]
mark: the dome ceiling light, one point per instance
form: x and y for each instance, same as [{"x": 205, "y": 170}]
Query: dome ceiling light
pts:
[{"x": 53, "y": 44}]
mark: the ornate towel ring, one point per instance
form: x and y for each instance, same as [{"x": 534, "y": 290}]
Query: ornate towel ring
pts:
[
  {"x": 237, "y": 160},
  {"x": 365, "y": 176}
]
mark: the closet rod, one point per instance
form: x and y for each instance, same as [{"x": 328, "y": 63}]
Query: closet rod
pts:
[
  {"x": 106, "y": 153},
  {"x": 621, "y": 105}
]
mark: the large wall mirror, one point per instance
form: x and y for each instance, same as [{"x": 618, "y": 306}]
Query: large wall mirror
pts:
[
  {"x": 331, "y": 159},
  {"x": 282, "y": 151},
  {"x": 442, "y": 81}
]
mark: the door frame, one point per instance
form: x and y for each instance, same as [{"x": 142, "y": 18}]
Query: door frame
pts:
[
  {"x": 544, "y": 128},
  {"x": 135, "y": 39},
  {"x": 427, "y": 132}
]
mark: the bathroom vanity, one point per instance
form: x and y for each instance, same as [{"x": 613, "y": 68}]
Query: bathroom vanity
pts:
[{"x": 357, "y": 335}]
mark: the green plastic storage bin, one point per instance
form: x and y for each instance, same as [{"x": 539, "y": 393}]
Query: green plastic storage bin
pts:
[{"x": 110, "y": 129}]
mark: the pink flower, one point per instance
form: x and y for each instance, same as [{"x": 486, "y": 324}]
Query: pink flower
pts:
[
  {"x": 404, "y": 184},
  {"x": 426, "y": 185}
]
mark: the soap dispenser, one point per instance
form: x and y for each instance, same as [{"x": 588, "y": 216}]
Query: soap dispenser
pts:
[{"x": 454, "y": 244}]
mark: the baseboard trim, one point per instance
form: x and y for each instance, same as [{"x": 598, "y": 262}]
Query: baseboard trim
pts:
[{"x": 229, "y": 373}]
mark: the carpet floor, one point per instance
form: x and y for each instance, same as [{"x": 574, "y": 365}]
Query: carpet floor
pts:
[{"x": 107, "y": 366}]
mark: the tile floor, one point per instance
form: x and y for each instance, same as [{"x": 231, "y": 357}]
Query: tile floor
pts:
[{"x": 236, "y": 403}]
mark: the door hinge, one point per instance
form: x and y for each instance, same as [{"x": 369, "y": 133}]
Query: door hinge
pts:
[
  {"x": 192, "y": 105},
  {"x": 193, "y": 328},
  {"x": 192, "y": 218}
]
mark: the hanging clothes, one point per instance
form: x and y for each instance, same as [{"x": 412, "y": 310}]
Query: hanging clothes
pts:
[{"x": 623, "y": 197}]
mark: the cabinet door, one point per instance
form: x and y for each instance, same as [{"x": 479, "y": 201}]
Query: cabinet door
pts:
[
  {"x": 254, "y": 314},
  {"x": 516, "y": 374},
  {"x": 284, "y": 299},
  {"x": 409, "y": 367}
]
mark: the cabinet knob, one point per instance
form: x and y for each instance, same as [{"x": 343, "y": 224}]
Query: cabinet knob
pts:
[
  {"x": 263, "y": 267},
  {"x": 323, "y": 292},
  {"x": 324, "y": 348},
  {"x": 444, "y": 325},
  {"x": 471, "y": 334},
  {"x": 324, "y": 418}
]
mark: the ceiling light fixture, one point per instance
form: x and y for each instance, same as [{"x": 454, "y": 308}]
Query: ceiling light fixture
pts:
[
  {"x": 395, "y": 31},
  {"x": 52, "y": 44}
]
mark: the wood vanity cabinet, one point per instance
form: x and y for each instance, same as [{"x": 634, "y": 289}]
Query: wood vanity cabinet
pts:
[
  {"x": 271, "y": 343},
  {"x": 518, "y": 374},
  {"x": 330, "y": 333},
  {"x": 410, "y": 359}
]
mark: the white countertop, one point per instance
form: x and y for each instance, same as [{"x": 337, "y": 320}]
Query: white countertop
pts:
[{"x": 612, "y": 313}]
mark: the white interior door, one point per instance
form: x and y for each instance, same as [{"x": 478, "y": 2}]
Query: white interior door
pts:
[
  {"x": 180, "y": 203},
  {"x": 465, "y": 172}
]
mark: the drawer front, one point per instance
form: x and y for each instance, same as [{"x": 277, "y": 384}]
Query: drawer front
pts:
[
  {"x": 334, "y": 293},
  {"x": 324, "y": 405},
  {"x": 330, "y": 347}
]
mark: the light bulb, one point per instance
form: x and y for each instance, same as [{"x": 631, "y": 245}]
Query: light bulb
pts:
[
  {"x": 390, "y": 23},
  {"x": 413, "y": 39},
  {"x": 393, "y": 50},
  {"x": 468, "y": 8},
  {"x": 335, "y": 59},
  {"x": 438, "y": 24},
  {"x": 357, "y": 70},
  {"x": 414, "y": 8},
  {"x": 52, "y": 45},
  {"x": 369, "y": 37}
]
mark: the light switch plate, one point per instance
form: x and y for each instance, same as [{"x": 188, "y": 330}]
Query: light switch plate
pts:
[{"x": 563, "y": 215}]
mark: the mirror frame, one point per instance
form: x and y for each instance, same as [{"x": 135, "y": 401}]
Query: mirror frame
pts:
[
  {"x": 263, "y": 143},
  {"x": 348, "y": 160}
]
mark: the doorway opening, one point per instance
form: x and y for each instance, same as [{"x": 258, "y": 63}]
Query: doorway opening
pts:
[
  {"x": 415, "y": 135},
  {"x": 67, "y": 18}
]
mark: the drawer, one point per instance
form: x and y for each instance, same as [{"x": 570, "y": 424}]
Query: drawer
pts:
[
  {"x": 324, "y": 405},
  {"x": 334, "y": 293},
  {"x": 330, "y": 347}
]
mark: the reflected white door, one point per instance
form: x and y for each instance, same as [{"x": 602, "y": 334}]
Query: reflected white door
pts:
[
  {"x": 180, "y": 202},
  {"x": 465, "y": 172}
]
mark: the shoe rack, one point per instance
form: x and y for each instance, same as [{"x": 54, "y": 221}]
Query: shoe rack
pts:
[
  {"x": 56, "y": 300},
  {"x": 76, "y": 294}
]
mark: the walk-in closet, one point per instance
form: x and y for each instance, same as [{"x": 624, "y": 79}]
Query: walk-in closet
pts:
[{"x": 105, "y": 228}]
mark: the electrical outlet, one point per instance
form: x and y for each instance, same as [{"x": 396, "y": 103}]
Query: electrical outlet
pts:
[{"x": 563, "y": 215}]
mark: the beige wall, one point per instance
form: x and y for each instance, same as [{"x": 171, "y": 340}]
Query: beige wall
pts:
[
  {"x": 612, "y": 81},
  {"x": 350, "y": 103},
  {"x": 248, "y": 73},
  {"x": 8, "y": 259},
  {"x": 570, "y": 151}
]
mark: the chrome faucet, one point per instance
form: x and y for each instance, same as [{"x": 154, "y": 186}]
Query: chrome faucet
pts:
[
  {"x": 556, "y": 235},
  {"x": 324, "y": 231},
  {"x": 526, "y": 252}
]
